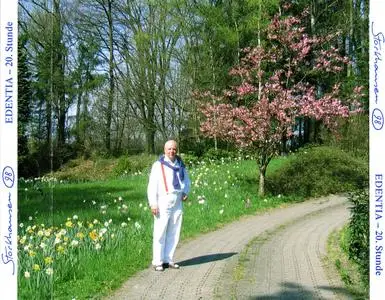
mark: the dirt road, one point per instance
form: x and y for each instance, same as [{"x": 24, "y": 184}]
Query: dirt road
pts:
[{"x": 275, "y": 255}]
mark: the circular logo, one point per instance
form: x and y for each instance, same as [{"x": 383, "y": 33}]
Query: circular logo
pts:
[
  {"x": 377, "y": 119},
  {"x": 8, "y": 177}
]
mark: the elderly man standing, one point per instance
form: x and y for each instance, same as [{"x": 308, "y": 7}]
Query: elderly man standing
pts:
[{"x": 168, "y": 186}]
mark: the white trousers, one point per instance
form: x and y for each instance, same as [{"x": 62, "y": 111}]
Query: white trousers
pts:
[{"x": 167, "y": 226}]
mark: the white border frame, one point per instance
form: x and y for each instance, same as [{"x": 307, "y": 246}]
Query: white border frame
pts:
[
  {"x": 8, "y": 148},
  {"x": 376, "y": 152}
]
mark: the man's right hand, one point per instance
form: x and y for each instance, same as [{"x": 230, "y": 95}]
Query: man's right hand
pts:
[{"x": 155, "y": 211}]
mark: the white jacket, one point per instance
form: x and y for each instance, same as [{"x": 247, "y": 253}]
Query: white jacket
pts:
[{"x": 156, "y": 187}]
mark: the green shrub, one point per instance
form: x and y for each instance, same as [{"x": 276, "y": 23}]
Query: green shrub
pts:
[
  {"x": 318, "y": 171},
  {"x": 359, "y": 232},
  {"x": 134, "y": 163},
  {"x": 86, "y": 170},
  {"x": 348, "y": 269},
  {"x": 218, "y": 154},
  {"x": 104, "y": 168},
  {"x": 123, "y": 166},
  {"x": 190, "y": 159}
]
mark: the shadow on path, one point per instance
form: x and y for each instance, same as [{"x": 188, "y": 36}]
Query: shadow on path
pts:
[
  {"x": 291, "y": 291},
  {"x": 205, "y": 259}
]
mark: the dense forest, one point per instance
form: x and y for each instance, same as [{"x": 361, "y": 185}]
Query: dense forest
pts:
[{"x": 113, "y": 77}]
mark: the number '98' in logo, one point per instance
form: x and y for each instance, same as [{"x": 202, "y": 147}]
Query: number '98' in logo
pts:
[
  {"x": 8, "y": 177},
  {"x": 377, "y": 119}
]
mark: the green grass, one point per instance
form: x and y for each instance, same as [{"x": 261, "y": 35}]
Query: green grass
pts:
[
  {"x": 108, "y": 226},
  {"x": 50, "y": 206},
  {"x": 228, "y": 190},
  {"x": 347, "y": 269}
]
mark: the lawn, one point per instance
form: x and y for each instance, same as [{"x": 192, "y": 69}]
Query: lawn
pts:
[{"x": 82, "y": 240}]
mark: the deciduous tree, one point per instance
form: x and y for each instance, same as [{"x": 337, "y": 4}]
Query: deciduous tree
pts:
[{"x": 275, "y": 86}]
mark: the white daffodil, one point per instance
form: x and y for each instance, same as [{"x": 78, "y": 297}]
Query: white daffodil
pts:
[
  {"x": 74, "y": 243},
  {"x": 49, "y": 271}
]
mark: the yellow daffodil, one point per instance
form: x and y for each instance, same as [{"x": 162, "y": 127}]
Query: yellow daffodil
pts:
[
  {"x": 80, "y": 235},
  {"x": 60, "y": 249},
  {"x": 48, "y": 260},
  {"x": 93, "y": 235},
  {"x": 36, "y": 267}
]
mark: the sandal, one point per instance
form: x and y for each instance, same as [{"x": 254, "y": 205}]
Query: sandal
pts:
[
  {"x": 172, "y": 265},
  {"x": 159, "y": 268}
]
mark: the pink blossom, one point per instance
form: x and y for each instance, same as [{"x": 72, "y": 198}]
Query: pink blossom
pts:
[{"x": 278, "y": 99}]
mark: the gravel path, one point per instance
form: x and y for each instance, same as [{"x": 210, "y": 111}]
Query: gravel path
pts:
[{"x": 275, "y": 255}]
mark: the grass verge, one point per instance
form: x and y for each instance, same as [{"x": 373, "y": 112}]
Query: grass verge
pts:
[{"x": 338, "y": 261}]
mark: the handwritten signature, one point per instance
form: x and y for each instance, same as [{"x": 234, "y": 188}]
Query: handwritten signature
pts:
[
  {"x": 378, "y": 39},
  {"x": 7, "y": 256}
]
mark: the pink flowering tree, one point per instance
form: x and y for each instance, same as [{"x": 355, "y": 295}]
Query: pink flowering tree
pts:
[{"x": 276, "y": 84}]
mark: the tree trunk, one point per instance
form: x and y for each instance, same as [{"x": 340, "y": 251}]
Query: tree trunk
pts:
[
  {"x": 306, "y": 130},
  {"x": 150, "y": 140},
  {"x": 150, "y": 128},
  {"x": 350, "y": 37},
  {"x": 300, "y": 132},
  {"x": 262, "y": 176},
  {"x": 49, "y": 121},
  {"x": 317, "y": 132},
  {"x": 111, "y": 78},
  {"x": 284, "y": 144},
  {"x": 78, "y": 116},
  {"x": 61, "y": 128}
]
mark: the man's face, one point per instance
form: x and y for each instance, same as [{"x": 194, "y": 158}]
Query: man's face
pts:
[{"x": 170, "y": 149}]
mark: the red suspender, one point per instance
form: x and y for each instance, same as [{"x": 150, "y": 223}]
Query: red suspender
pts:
[{"x": 164, "y": 177}]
